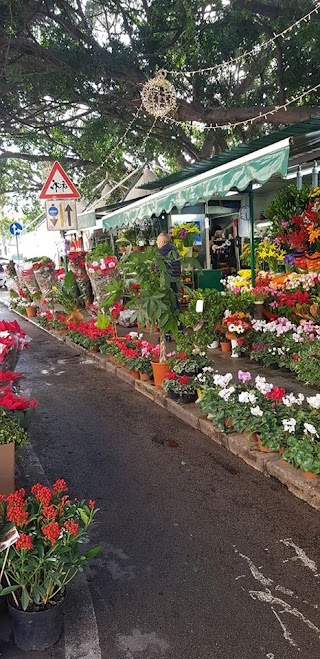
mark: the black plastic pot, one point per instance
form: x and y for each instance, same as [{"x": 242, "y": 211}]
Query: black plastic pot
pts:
[
  {"x": 36, "y": 631},
  {"x": 188, "y": 398},
  {"x": 173, "y": 395}
]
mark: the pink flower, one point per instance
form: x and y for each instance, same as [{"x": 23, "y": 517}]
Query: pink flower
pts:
[{"x": 244, "y": 376}]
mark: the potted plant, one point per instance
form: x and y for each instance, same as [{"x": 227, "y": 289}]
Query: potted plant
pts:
[
  {"x": 46, "y": 557},
  {"x": 180, "y": 387},
  {"x": 237, "y": 325},
  {"x": 11, "y": 436},
  {"x": 156, "y": 303},
  {"x": 16, "y": 407}
]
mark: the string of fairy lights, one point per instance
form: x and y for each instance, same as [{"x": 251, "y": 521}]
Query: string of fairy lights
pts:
[{"x": 159, "y": 97}]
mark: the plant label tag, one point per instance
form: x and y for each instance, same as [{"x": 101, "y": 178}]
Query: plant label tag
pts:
[
  {"x": 9, "y": 538},
  {"x": 199, "y": 306}
]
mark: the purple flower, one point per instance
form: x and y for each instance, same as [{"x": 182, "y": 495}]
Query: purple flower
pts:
[
  {"x": 183, "y": 233},
  {"x": 244, "y": 376}
]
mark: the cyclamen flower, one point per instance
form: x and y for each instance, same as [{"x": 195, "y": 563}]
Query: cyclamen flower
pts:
[
  {"x": 314, "y": 402},
  {"x": 308, "y": 428},
  {"x": 226, "y": 393},
  {"x": 262, "y": 385},
  {"x": 289, "y": 425},
  {"x": 244, "y": 376},
  {"x": 247, "y": 397},
  {"x": 290, "y": 399},
  {"x": 256, "y": 411},
  {"x": 222, "y": 380}
]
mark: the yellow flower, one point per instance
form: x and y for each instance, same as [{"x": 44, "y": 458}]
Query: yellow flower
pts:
[{"x": 246, "y": 274}]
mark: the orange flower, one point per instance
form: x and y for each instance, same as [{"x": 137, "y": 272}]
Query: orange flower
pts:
[{"x": 314, "y": 234}]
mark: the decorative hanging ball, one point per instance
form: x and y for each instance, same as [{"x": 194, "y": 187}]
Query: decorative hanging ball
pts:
[{"x": 159, "y": 96}]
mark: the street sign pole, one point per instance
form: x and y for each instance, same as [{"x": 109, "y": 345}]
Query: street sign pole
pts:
[
  {"x": 65, "y": 260},
  {"x": 17, "y": 243}
]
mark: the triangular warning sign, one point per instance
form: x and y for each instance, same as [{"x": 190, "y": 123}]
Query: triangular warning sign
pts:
[{"x": 58, "y": 185}]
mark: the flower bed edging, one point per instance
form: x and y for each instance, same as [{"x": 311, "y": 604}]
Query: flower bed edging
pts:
[{"x": 269, "y": 465}]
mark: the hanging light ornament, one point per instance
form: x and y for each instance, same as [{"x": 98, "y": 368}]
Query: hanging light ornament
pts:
[{"x": 159, "y": 96}]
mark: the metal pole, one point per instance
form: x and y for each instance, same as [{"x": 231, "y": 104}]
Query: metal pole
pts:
[
  {"x": 65, "y": 260},
  {"x": 17, "y": 244},
  {"x": 252, "y": 254},
  {"x": 207, "y": 238}
]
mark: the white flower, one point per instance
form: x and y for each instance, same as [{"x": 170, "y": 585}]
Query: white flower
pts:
[
  {"x": 226, "y": 393},
  {"x": 222, "y": 380},
  {"x": 289, "y": 425},
  {"x": 314, "y": 402},
  {"x": 262, "y": 385},
  {"x": 247, "y": 397},
  {"x": 309, "y": 428},
  {"x": 256, "y": 411}
]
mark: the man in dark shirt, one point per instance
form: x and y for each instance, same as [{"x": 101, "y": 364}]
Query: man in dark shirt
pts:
[{"x": 167, "y": 249}]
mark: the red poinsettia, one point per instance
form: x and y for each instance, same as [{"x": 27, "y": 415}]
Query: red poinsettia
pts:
[
  {"x": 10, "y": 401},
  {"x": 9, "y": 376}
]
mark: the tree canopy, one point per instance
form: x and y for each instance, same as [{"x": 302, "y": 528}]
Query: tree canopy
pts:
[{"x": 71, "y": 74}]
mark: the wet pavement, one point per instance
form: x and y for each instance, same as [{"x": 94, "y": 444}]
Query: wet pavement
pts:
[{"x": 203, "y": 557}]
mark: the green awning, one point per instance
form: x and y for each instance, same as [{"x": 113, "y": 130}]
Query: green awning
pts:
[
  {"x": 258, "y": 167},
  {"x": 86, "y": 220}
]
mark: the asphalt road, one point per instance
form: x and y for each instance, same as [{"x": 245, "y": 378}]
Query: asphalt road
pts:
[{"x": 203, "y": 557}]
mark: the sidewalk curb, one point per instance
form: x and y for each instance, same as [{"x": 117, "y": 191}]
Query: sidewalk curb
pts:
[{"x": 269, "y": 464}]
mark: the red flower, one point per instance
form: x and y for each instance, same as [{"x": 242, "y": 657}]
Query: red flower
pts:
[
  {"x": 59, "y": 486},
  {"x": 51, "y": 532},
  {"x": 9, "y": 376},
  {"x": 91, "y": 504},
  {"x": 184, "y": 379},
  {"x": 41, "y": 493},
  {"x": 24, "y": 542},
  {"x": 72, "y": 527},
  {"x": 50, "y": 512},
  {"x": 170, "y": 376},
  {"x": 10, "y": 401},
  {"x": 277, "y": 394},
  {"x": 15, "y": 508},
  {"x": 182, "y": 355}
]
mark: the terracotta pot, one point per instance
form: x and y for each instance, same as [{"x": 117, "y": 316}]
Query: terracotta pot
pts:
[
  {"x": 308, "y": 474},
  {"x": 145, "y": 377},
  {"x": 251, "y": 438},
  {"x": 159, "y": 372},
  {"x": 31, "y": 312},
  {"x": 7, "y": 468},
  {"x": 135, "y": 374},
  {"x": 262, "y": 449},
  {"x": 135, "y": 248},
  {"x": 228, "y": 423},
  {"x": 225, "y": 346}
]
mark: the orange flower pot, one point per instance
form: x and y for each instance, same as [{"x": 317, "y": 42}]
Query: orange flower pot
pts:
[
  {"x": 262, "y": 449},
  {"x": 31, "y": 312},
  {"x": 225, "y": 346},
  {"x": 145, "y": 377},
  {"x": 159, "y": 371},
  {"x": 135, "y": 374},
  {"x": 309, "y": 474}
]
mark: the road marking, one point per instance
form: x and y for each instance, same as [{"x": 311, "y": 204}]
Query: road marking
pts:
[
  {"x": 80, "y": 623},
  {"x": 282, "y": 606},
  {"x": 286, "y": 634},
  {"x": 301, "y": 554}
]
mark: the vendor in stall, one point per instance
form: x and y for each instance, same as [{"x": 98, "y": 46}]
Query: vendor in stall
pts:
[{"x": 167, "y": 249}]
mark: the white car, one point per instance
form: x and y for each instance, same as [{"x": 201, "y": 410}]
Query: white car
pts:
[{"x": 3, "y": 278}]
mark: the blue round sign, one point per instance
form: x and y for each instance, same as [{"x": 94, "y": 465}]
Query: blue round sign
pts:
[
  {"x": 15, "y": 228},
  {"x": 53, "y": 211}
]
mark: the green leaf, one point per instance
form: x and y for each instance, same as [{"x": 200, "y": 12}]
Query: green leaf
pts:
[
  {"x": 25, "y": 599},
  {"x": 8, "y": 590},
  {"x": 84, "y": 516},
  {"x": 93, "y": 551}
]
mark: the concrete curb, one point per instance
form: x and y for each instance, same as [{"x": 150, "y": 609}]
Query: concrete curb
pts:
[{"x": 269, "y": 464}]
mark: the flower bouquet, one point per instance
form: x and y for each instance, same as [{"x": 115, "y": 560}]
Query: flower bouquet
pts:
[
  {"x": 28, "y": 277},
  {"x": 183, "y": 236},
  {"x": 48, "y": 554},
  {"x": 45, "y": 275},
  {"x": 77, "y": 265},
  {"x": 13, "y": 341},
  {"x": 100, "y": 273}
]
